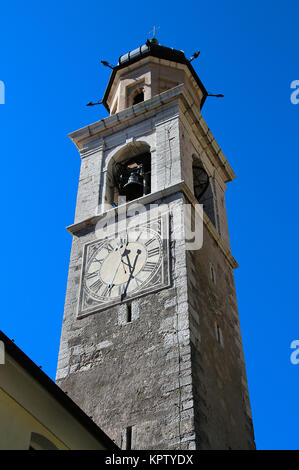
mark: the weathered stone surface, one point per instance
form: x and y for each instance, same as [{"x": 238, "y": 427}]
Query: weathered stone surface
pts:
[{"x": 164, "y": 373}]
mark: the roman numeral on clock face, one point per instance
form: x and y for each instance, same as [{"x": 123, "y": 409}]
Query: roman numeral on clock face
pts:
[
  {"x": 91, "y": 275},
  {"x": 120, "y": 290},
  {"x": 148, "y": 242},
  {"x": 109, "y": 247},
  {"x": 138, "y": 281},
  {"x": 153, "y": 252},
  {"x": 148, "y": 266},
  {"x": 106, "y": 291},
  {"x": 96, "y": 285}
]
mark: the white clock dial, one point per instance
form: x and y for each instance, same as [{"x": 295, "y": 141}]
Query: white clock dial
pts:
[
  {"x": 126, "y": 266},
  {"x": 123, "y": 265}
]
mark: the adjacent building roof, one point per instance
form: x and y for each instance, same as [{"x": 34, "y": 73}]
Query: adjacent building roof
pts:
[{"x": 37, "y": 374}]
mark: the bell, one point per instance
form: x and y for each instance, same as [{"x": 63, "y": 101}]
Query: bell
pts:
[{"x": 133, "y": 189}]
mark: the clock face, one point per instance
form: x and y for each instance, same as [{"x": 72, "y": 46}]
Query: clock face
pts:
[
  {"x": 124, "y": 266},
  {"x": 201, "y": 181}
]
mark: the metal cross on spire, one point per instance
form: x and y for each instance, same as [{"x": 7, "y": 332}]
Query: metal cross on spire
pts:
[{"x": 154, "y": 30}]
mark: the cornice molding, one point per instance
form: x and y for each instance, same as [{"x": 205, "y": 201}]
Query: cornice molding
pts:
[
  {"x": 211, "y": 146},
  {"x": 180, "y": 187},
  {"x": 80, "y": 136}
]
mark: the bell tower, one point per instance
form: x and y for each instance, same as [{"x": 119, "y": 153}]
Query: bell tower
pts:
[{"x": 151, "y": 346}]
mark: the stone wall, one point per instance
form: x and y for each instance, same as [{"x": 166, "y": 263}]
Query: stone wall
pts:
[
  {"x": 221, "y": 402},
  {"x": 176, "y": 372},
  {"x": 133, "y": 374}
]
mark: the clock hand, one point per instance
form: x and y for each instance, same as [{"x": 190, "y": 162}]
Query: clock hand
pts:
[
  {"x": 122, "y": 254},
  {"x": 120, "y": 262},
  {"x": 111, "y": 284},
  {"x": 131, "y": 268}
]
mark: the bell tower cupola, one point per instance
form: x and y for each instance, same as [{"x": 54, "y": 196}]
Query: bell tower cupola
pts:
[{"x": 148, "y": 71}]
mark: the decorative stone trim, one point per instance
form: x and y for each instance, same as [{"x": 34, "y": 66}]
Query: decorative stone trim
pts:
[{"x": 151, "y": 198}]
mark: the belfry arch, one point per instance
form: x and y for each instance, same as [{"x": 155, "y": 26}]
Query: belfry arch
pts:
[
  {"x": 202, "y": 188},
  {"x": 128, "y": 174}
]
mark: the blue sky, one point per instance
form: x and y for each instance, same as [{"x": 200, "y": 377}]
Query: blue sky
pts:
[{"x": 50, "y": 63}]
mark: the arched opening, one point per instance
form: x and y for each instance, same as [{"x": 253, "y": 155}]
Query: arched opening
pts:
[
  {"x": 203, "y": 189},
  {"x": 138, "y": 97},
  {"x": 129, "y": 174},
  {"x": 39, "y": 442}
]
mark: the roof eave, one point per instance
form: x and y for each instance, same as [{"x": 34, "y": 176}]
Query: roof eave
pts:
[{"x": 161, "y": 55}]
